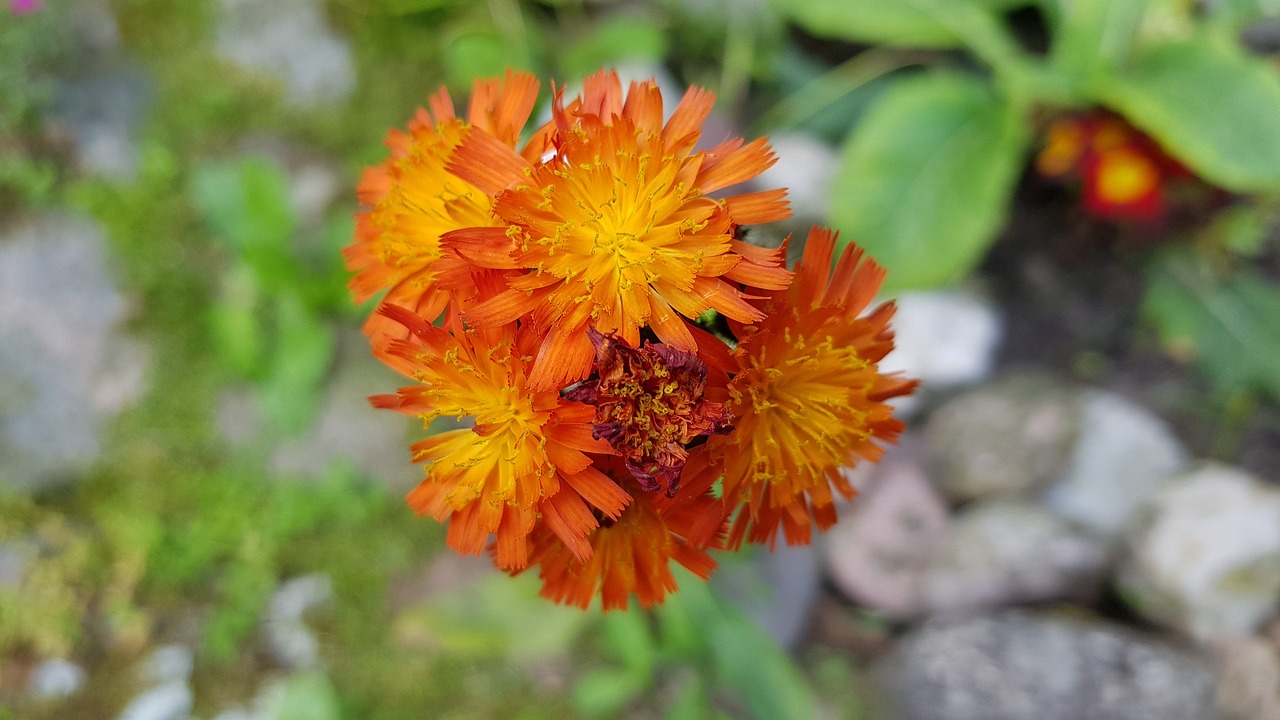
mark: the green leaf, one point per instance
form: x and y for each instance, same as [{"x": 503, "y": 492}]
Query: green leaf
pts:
[
  {"x": 1226, "y": 326},
  {"x": 605, "y": 693},
  {"x": 1208, "y": 104},
  {"x": 306, "y": 696},
  {"x": 246, "y": 204},
  {"x": 236, "y": 324},
  {"x": 304, "y": 349},
  {"x": 631, "y": 638},
  {"x": 1093, "y": 37},
  {"x": 612, "y": 41},
  {"x": 924, "y": 179},
  {"x": 743, "y": 657},
  {"x": 882, "y": 22}
]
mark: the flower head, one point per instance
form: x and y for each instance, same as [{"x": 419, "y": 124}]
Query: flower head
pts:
[
  {"x": 525, "y": 458},
  {"x": 650, "y": 405},
  {"x": 1124, "y": 173},
  {"x": 615, "y": 228},
  {"x": 632, "y": 555},
  {"x": 413, "y": 200},
  {"x": 809, "y": 397}
]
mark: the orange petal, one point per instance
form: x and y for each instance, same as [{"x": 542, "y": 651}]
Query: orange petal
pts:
[{"x": 486, "y": 162}]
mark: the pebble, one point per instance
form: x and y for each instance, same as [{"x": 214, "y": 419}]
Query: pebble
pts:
[
  {"x": 291, "y": 42},
  {"x": 1007, "y": 438},
  {"x": 65, "y": 366},
  {"x": 878, "y": 553},
  {"x": 999, "y": 553},
  {"x": 1123, "y": 455},
  {"x": 1204, "y": 555},
  {"x": 1017, "y": 665}
]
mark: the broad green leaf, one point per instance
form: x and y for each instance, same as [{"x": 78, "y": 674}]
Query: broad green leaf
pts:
[
  {"x": 306, "y": 696},
  {"x": 1226, "y": 326},
  {"x": 479, "y": 54},
  {"x": 924, "y": 179},
  {"x": 632, "y": 639},
  {"x": 1208, "y": 104},
  {"x": 605, "y": 693},
  {"x": 236, "y": 324},
  {"x": 743, "y": 657},
  {"x": 613, "y": 41},
  {"x": 246, "y": 204},
  {"x": 882, "y": 22},
  {"x": 1093, "y": 37},
  {"x": 304, "y": 348}
]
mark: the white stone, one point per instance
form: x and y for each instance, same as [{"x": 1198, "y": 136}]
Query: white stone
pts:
[
  {"x": 1205, "y": 554},
  {"x": 1123, "y": 454},
  {"x": 169, "y": 663},
  {"x": 805, "y": 167},
  {"x": 56, "y": 678},
  {"x": 1001, "y": 553},
  {"x": 290, "y": 640},
  {"x": 171, "y": 701},
  {"x": 290, "y": 41},
  {"x": 64, "y": 367},
  {"x": 944, "y": 338}
]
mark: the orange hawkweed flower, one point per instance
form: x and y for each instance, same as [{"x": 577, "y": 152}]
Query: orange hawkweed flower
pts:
[
  {"x": 525, "y": 460},
  {"x": 615, "y": 226},
  {"x": 413, "y": 200},
  {"x": 632, "y": 555},
  {"x": 808, "y": 397},
  {"x": 650, "y": 405}
]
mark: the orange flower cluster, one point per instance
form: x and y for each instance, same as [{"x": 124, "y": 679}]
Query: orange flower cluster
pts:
[
  {"x": 551, "y": 285},
  {"x": 1124, "y": 174}
]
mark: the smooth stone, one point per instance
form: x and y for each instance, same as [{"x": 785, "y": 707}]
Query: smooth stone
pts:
[
  {"x": 878, "y": 553},
  {"x": 56, "y": 678},
  {"x": 102, "y": 113},
  {"x": 1204, "y": 556},
  {"x": 65, "y": 367},
  {"x": 1017, "y": 665},
  {"x": 946, "y": 339},
  {"x": 1123, "y": 455},
  {"x": 998, "y": 553},
  {"x": 1007, "y": 438},
  {"x": 288, "y": 638},
  {"x": 291, "y": 42},
  {"x": 171, "y": 701},
  {"x": 1248, "y": 679},
  {"x": 805, "y": 167}
]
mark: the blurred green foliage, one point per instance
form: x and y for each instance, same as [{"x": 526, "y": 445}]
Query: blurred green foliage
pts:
[{"x": 925, "y": 176}]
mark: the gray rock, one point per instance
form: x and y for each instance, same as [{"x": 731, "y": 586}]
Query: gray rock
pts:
[
  {"x": 291, "y": 42},
  {"x": 102, "y": 113},
  {"x": 945, "y": 338},
  {"x": 288, "y": 638},
  {"x": 777, "y": 589},
  {"x": 56, "y": 678},
  {"x": 171, "y": 701},
  {"x": 805, "y": 167},
  {"x": 878, "y": 553},
  {"x": 1204, "y": 556},
  {"x": 168, "y": 663},
  {"x": 999, "y": 553},
  {"x": 1018, "y": 665},
  {"x": 1007, "y": 438},
  {"x": 64, "y": 369},
  {"x": 1123, "y": 455},
  {"x": 1248, "y": 680},
  {"x": 13, "y": 565}
]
